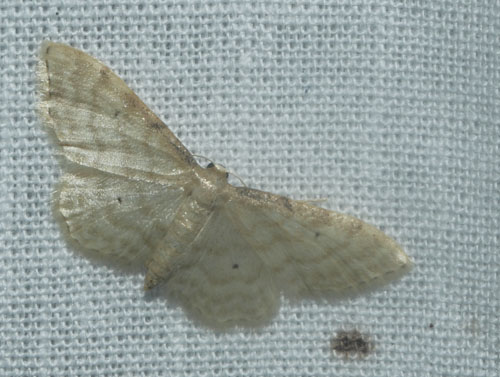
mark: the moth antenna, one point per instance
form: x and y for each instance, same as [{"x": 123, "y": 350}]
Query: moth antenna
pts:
[
  {"x": 313, "y": 201},
  {"x": 238, "y": 177},
  {"x": 206, "y": 158}
]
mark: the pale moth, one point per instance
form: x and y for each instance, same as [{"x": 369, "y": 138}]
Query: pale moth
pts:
[{"x": 132, "y": 194}]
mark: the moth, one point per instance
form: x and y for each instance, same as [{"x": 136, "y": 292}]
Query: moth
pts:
[{"x": 130, "y": 193}]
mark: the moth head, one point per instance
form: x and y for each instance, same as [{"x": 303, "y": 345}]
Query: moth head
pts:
[{"x": 219, "y": 169}]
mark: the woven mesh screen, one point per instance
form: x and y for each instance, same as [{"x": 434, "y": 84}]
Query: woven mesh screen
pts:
[{"x": 389, "y": 109}]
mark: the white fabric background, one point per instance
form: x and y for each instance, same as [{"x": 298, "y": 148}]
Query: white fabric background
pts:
[{"x": 388, "y": 108}]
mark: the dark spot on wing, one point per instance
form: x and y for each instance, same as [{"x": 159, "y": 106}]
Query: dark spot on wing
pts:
[
  {"x": 251, "y": 193},
  {"x": 104, "y": 72},
  {"x": 286, "y": 203},
  {"x": 156, "y": 125},
  {"x": 351, "y": 343},
  {"x": 131, "y": 101},
  {"x": 183, "y": 152},
  {"x": 235, "y": 266},
  {"x": 47, "y": 68},
  {"x": 119, "y": 200}
]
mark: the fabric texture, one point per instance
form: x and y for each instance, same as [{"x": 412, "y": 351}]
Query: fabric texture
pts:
[{"x": 389, "y": 109}]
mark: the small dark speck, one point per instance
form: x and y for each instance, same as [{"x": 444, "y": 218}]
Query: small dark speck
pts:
[
  {"x": 117, "y": 112},
  {"x": 351, "y": 343},
  {"x": 235, "y": 266},
  {"x": 104, "y": 72},
  {"x": 156, "y": 126},
  {"x": 253, "y": 194},
  {"x": 431, "y": 326},
  {"x": 286, "y": 202},
  {"x": 119, "y": 200},
  {"x": 316, "y": 234},
  {"x": 210, "y": 165}
]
